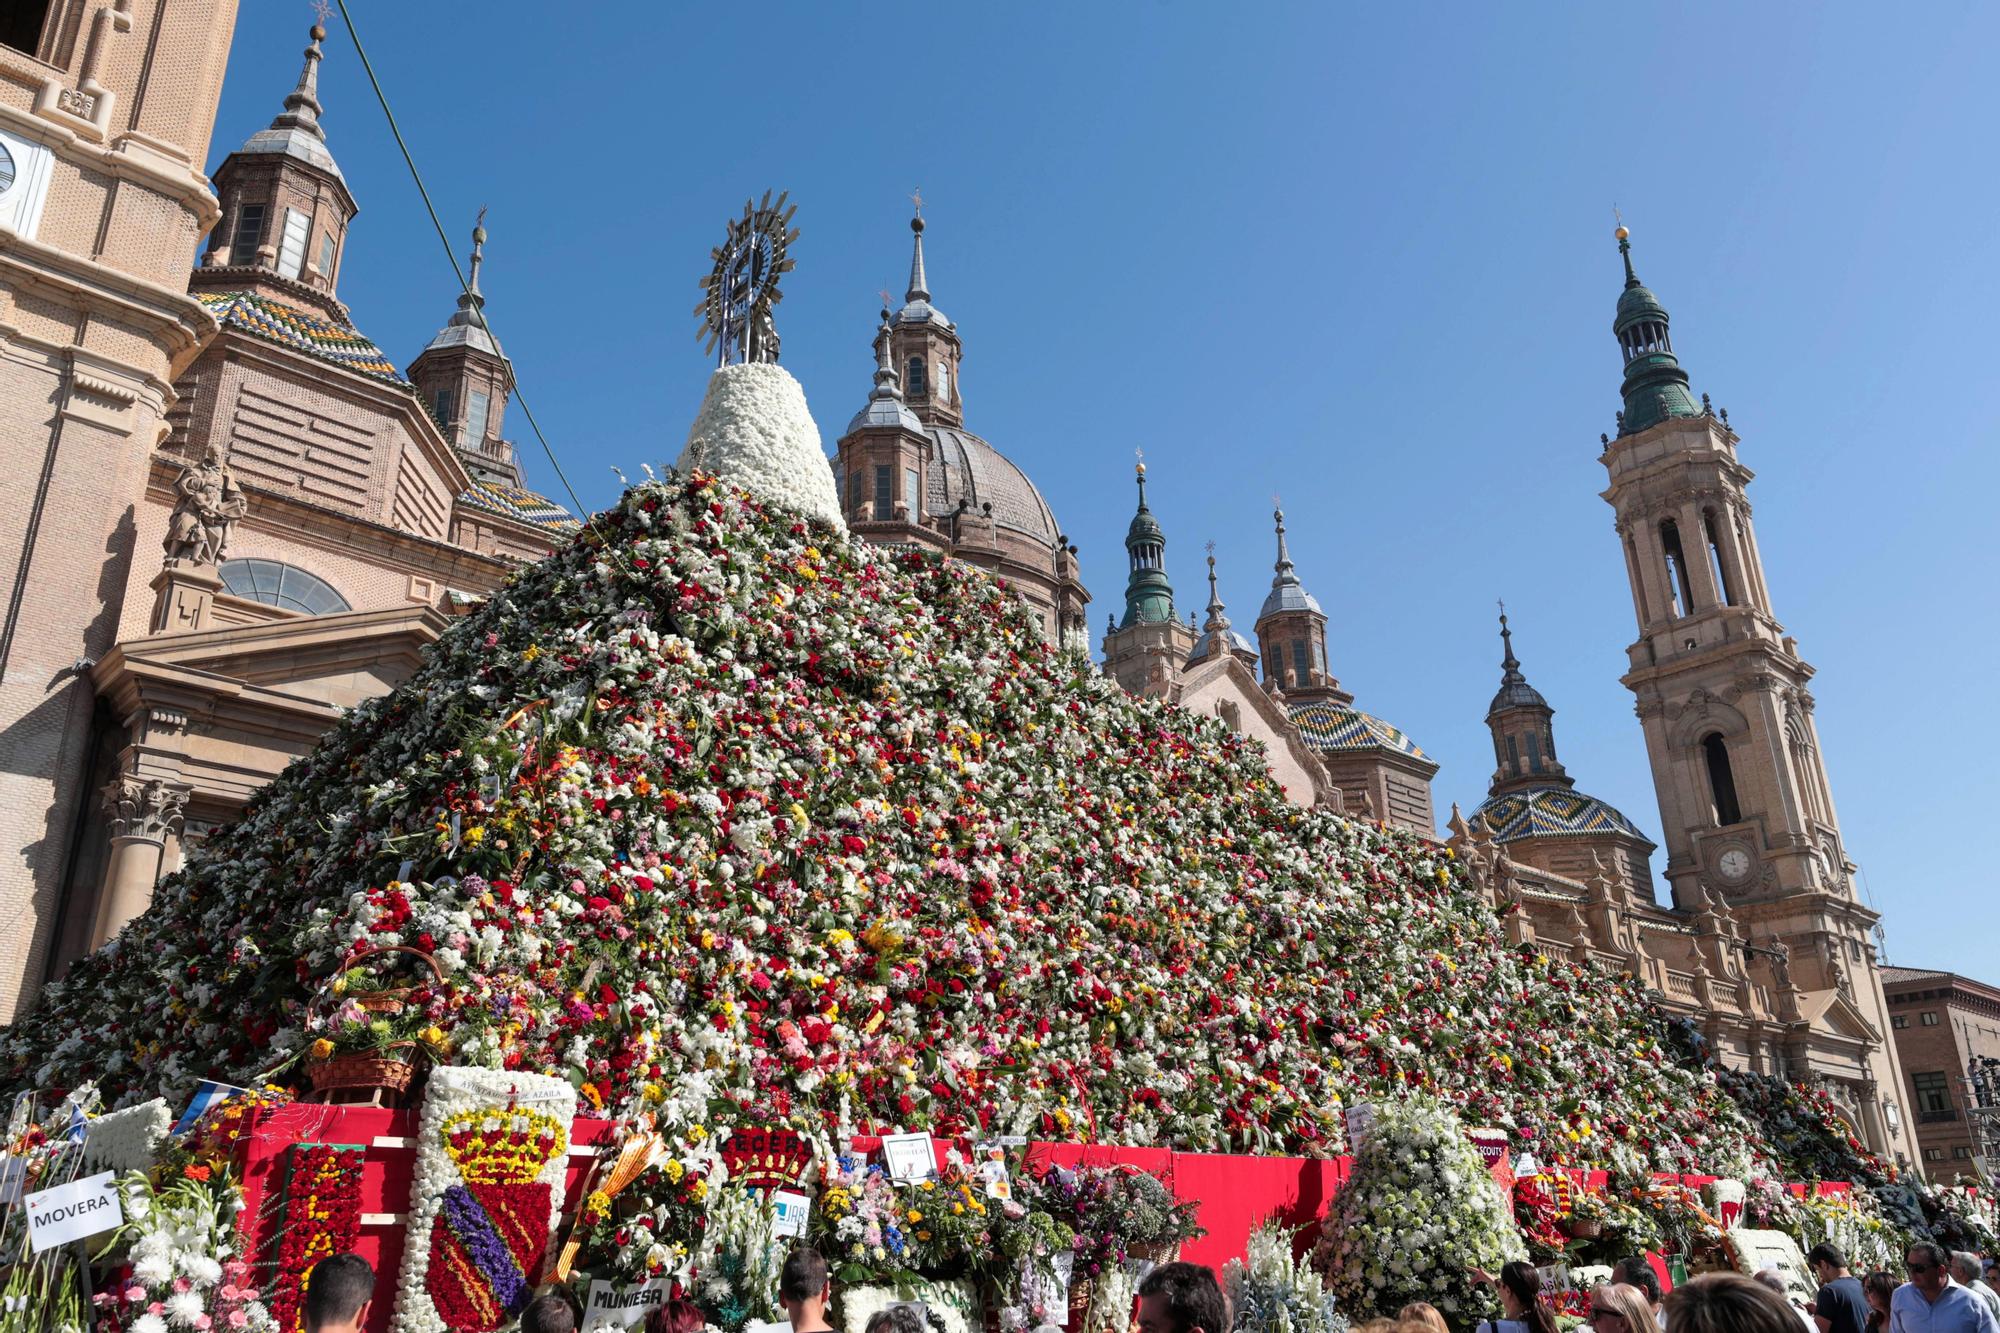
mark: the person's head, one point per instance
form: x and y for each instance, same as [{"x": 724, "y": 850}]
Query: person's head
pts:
[
  {"x": 1880, "y": 1288},
  {"x": 673, "y": 1317},
  {"x": 552, "y": 1314},
  {"x": 1182, "y": 1298},
  {"x": 1826, "y": 1262},
  {"x": 1619, "y": 1307},
  {"x": 1424, "y": 1315},
  {"x": 803, "y": 1286},
  {"x": 901, "y": 1317},
  {"x": 338, "y": 1291},
  {"x": 1771, "y": 1278},
  {"x": 1728, "y": 1303},
  {"x": 1929, "y": 1268},
  {"x": 1965, "y": 1266},
  {"x": 1634, "y": 1271}
]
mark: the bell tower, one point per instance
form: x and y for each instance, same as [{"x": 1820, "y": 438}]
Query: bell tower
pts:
[{"x": 1724, "y": 699}]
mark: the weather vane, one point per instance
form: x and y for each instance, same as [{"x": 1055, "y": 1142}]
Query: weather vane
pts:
[{"x": 741, "y": 289}]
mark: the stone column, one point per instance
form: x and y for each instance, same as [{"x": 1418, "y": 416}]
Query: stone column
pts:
[
  {"x": 182, "y": 596},
  {"x": 144, "y": 813}
]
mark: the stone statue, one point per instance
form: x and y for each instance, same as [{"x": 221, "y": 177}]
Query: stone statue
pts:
[{"x": 208, "y": 506}]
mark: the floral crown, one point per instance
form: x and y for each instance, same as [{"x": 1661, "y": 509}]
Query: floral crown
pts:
[{"x": 491, "y": 1146}]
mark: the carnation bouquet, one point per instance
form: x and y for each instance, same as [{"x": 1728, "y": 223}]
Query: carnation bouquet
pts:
[{"x": 1416, "y": 1216}]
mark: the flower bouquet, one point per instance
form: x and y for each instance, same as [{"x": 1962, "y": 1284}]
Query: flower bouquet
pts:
[
  {"x": 1272, "y": 1290},
  {"x": 366, "y": 1038}
]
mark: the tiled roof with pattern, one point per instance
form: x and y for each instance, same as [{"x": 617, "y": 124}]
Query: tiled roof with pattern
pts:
[
  {"x": 1329, "y": 726},
  {"x": 520, "y": 505},
  {"x": 1550, "y": 812},
  {"x": 288, "y": 326}
]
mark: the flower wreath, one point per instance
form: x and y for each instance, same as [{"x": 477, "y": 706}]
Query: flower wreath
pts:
[
  {"x": 322, "y": 1216},
  {"x": 492, "y": 1149}
]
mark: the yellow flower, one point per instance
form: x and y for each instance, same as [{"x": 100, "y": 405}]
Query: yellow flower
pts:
[
  {"x": 916, "y": 1216},
  {"x": 475, "y": 834},
  {"x": 321, "y": 1049},
  {"x": 530, "y": 653},
  {"x": 432, "y": 1035}
]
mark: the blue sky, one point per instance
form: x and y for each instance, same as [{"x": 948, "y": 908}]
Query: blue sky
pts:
[{"x": 1357, "y": 256}]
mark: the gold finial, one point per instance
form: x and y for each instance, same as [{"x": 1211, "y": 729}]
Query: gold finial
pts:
[
  {"x": 1140, "y": 454},
  {"x": 1624, "y": 232}
]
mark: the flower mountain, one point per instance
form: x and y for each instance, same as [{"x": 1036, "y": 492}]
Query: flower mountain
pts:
[{"x": 722, "y": 812}]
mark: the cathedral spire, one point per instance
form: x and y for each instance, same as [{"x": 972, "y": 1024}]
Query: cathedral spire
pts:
[
  {"x": 1524, "y": 741},
  {"x": 1149, "y": 598},
  {"x": 302, "y": 108},
  {"x": 1287, "y": 576},
  {"x": 920, "y": 286},
  {"x": 478, "y": 255},
  {"x": 1655, "y": 387},
  {"x": 467, "y": 325},
  {"x": 1218, "y": 615}
]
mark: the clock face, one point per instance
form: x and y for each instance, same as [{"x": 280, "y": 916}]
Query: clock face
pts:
[{"x": 1734, "y": 864}]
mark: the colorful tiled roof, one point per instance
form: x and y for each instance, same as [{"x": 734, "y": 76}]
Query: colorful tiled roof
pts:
[
  {"x": 523, "y": 506},
  {"x": 342, "y": 344},
  {"x": 1329, "y": 726},
  {"x": 1550, "y": 812}
]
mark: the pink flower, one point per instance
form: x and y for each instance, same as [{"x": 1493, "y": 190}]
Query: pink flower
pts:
[
  {"x": 134, "y": 1294},
  {"x": 237, "y": 1319}
]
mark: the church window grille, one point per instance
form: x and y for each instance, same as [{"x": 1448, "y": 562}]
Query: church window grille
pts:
[
  {"x": 1679, "y": 591},
  {"x": 249, "y": 234},
  {"x": 1534, "y": 753},
  {"x": 910, "y": 491},
  {"x": 1715, "y": 558},
  {"x": 327, "y": 246},
  {"x": 275, "y": 583},
  {"x": 1513, "y": 757},
  {"x": 477, "y": 407},
  {"x": 292, "y": 245},
  {"x": 21, "y": 26},
  {"x": 1721, "y": 781},
  {"x": 1301, "y": 662},
  {"x": 885, "y": 491},
  {"x": 916, "y": 386}
]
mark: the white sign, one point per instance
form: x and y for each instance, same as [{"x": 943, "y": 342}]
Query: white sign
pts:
[
  {"x": 1360, "y": 1119},
  {"x": 71, "y": 1212},
  {"x": 909, "y": 1157},
  {"x": 613, "y": 1306},
  {"x": 13, "y": 1172},
  {"x": 789, "y": 1210}
]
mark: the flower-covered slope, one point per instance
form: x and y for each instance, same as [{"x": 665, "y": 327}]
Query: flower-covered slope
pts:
[{"x": 718, "y": 809}]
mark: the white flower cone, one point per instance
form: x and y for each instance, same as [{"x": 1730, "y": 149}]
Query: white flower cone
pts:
[{"x": 754, "y": 429}]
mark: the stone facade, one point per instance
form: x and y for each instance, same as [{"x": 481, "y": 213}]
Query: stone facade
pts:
[
  {"x": 1946, "y": 1027},
  {"x": 245, "y": 519}
]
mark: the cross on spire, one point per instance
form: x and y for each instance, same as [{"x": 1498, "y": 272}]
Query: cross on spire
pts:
[
  {"x": 323, "y": 11},
  {"x": 917, "y": 200}
]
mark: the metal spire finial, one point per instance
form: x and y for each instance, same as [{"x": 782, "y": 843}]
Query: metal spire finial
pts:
[
  {"x": 886, "y": 383},
  {"x": 1624, "y": 235},
  {"x": 1286, "y": 573},
  {"x": 1510, "y": 667},
  {"x": 920, "y": 285},
  {"x": 1140, "y": 470},
  {"x": 478, "y": 252},
  {"x": 302, "y": 105}
]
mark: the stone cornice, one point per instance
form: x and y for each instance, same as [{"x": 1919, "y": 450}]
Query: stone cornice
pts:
[
  {"x": 175, "y": 319},
  {"x": 132, "y": 157}
]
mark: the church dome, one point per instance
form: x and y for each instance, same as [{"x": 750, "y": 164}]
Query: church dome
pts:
[
  {"x": 1550, "y": 812},
  {"x": 1335, "y": 727},
  {"x": 1225, "y": 640},
  {"x": 1516, "y": 694},
  {"x": 967, "y": 468}
]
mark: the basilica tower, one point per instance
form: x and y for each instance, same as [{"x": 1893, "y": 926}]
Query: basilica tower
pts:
[
  {"x": 1146, "y": 649},
  {"x": 1722, "y": 695}
]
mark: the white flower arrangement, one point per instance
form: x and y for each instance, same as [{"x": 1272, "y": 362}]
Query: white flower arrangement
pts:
[
  {"x": 1417, "y": 1214},
  {"x": 953, "y": 1306},
  {"x": 509, "y": 1099},
  {"x": 125, "y": 1140},
  {"x": 755, "y": 430},
  {"x": 1271, "y": 1291}
]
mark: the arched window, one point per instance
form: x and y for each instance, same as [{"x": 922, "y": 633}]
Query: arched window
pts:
[
  {"x": 1715, "y": 558},
  {"x": 944, "y": 382},
  {"x": 1721, "y": 781},
  {"x": 277, "y": 584},
  {"x": 1679, "y": 591},
  {"x": 915, "y": 387}
]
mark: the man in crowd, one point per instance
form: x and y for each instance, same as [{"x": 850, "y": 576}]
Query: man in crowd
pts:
[
  {"x": 804, "y": 1290},
  {"x": 1182, "y": 1298},
  {"x": 1931, "y": 1302},
  {"x": 549, "y": 1314},
  {"x": 1965, "y": 1266},
  {"x": 1841, "y": 1306},
  {"x": 339, "y": 1290},
  {"x": 1634, "y": 1271},
  {"x": 1728, "y": 1303}
]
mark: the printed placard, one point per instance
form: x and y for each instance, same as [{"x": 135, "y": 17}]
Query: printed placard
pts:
[
  {"x": 909, "y": 1157},
  {"x": 610, "y": 1305},
  {"x": 71, "y": 1212},
  {"x": 1360, "y": 1120},
  {"x": 992, "y": 1160},
  {"x": 789, "y": 1211}
]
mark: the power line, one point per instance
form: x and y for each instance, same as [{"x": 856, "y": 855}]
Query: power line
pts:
[{"x": 354, "y": 35}]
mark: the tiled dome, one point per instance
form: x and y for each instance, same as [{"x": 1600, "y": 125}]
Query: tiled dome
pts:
[
  {"x": 1331, "y": 726},
  {"x": 1550, "y": 812}
]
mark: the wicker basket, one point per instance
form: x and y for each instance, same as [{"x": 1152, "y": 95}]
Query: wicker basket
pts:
[
  {"x": 1585, "y": 1228},
  {"x": 363, "y": 1078},
  {"x": 1156, "y": 1252},
  {"x": 1081, "y": 1290}
]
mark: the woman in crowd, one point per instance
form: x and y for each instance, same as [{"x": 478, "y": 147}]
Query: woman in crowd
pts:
[
  {"x": 1879, "y": 1287},
  {"x": 1520, "y": 1288},
  {"x": 1422, "y": 1315},
  {"x": 1728, "y": 1303},
  {"x": 676, "y": 1317},
  {"x": 1618, "y": 1308}
]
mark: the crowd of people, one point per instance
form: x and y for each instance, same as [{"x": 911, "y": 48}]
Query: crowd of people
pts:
[{"x": 1944, "y": 1292}]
